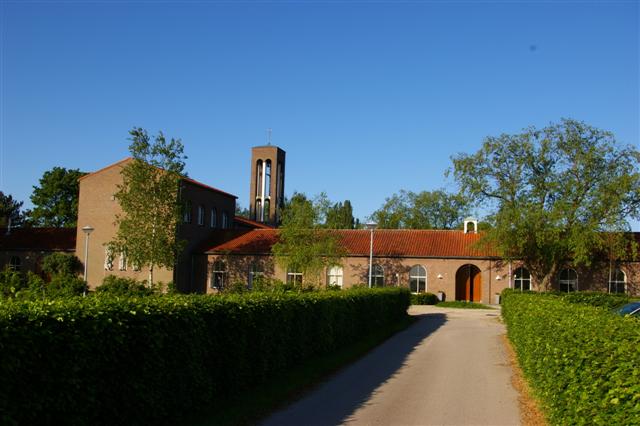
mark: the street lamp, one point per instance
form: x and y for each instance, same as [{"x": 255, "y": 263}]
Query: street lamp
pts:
[
  {"x": 371, "y": 226},
  {"x": 87, "y": 231}
]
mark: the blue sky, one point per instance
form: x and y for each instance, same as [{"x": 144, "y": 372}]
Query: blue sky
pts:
[{"x": 367, "y": 98}]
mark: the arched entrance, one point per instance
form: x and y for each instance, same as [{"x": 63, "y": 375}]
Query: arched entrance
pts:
[{"x": 469, "y": 283}]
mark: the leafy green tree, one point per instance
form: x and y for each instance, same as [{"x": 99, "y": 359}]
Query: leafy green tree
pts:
[
  {"x": 55, "y": 201},
  {"x": 340, "y": 216},
  {"x": 303, "y": 245},
  {"x": 149, "y": 198},
  {"x": 423, "y": 210},
  {"x": 551, "y": 192},
  {"x": 10, "y": 211},
  {"x": 61, "y": 263}
]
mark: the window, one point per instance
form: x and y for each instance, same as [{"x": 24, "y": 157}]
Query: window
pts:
[
  {"x": 418, "y": 279},
  {"x": 334, "y": 276},
  {"x": 14, "y": 263},
  {"x": 377, "y": 276},
  {"x": 213, "y": 221},
  {"x": 255, "y": 272},
  {"x": 122, "y": 262},
  {"x": 259, "y": 210},
  {"x": 267, "y": 207},
  {"x": 186, "y": 215},
  {"x": 522, "y": 279},
  {"x": 617, "y": 281},
  {"x": 201, "y": 215},
  {"x": 108, "y": 259},
  {"x": 568, "y": 280},
  {"x": 267, "y": 178},
  {"x": 218, "y": 275},
  {"x": 259, "y": 192},
  {"x": 225, "y": 220},
  {"x": 294, "y": 277}
]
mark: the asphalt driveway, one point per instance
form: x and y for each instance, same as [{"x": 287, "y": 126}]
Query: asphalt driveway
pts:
[{"x": 449, "y": 368}]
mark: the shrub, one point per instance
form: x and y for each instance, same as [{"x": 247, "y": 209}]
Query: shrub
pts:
[
  {"x": 120, "y": 286},
  {"x": 11, "y": 282},
  {"x": 463, "y": 304},
  {"x": 60, "y": 264},
  {"x": 148, "y": 360},
  {"x": 581, "y": 361},
  {"x": 424, "y": 299}
]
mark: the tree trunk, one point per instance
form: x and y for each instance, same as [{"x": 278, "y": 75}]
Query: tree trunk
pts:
[{"x": 151, "y": 276}]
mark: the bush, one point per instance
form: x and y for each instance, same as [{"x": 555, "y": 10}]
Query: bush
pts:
[
  {"x": 119, "y": 286},
  {"x": 11, "y": 282},
  {"x": 581, "y": 361},
  {"x": 61, "y": 264},
  {"x": 424, "y": 299},
  {"x": 147, "y": 360}
]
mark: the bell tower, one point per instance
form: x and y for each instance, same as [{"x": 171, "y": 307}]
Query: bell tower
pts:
[{"x": 266, "y": 193}]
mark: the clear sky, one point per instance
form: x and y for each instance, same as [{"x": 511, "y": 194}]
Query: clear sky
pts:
[{"x": 366, "y": 97}]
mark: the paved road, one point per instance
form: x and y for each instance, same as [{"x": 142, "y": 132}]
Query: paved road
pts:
[{"x": 449, "y": 368}]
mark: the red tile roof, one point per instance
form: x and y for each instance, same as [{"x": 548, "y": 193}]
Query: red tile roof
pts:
[
  {"x": 386, "y": 242},
  {"x": 38, "y": 239}
]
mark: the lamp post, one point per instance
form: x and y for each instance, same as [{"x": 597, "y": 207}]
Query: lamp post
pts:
[
  {"x": 371, "y": 226},
  {"x": 87, "y": 231}
]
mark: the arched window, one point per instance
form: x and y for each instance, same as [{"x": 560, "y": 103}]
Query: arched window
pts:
[
  {"x": 568, "y": 280},
  {"x": 201, "y": 215},
  {"x": 122, "y": 262},
  {"x": 108, "y": 259},
  {"x": 294, "y": 277},
  {"x": 225, "y": 220},
  {"x": 377, "y": 275},
  {"x": 14, "y": 263},
  {"x": 213, "y": 221},
  {"x": 218, "y": 275},
  {"x": 259, "y": 179},
  {"x": 617, "y": 282},
  {"x": 259, "y": 210},
  {"x": 418, "y": 279},
  {"x": 186, "y": 215},
  {"x": 522, "y": 279},
  {"x": 255, "y": 271},
  {"x": 267, "y": 178},
  {"x": 334, "y": 276}
]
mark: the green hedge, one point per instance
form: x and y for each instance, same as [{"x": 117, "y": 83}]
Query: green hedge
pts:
[
  {"x": 581, "y": 361},
  {"x": 154, "y": 359},
  {"x": 424, "y": 299}
]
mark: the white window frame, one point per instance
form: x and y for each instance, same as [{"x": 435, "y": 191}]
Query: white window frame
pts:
[
  {"x": 335, "y": 275},
  {"x": 572, "y": 285},
  {"x": 15, "y": 263},
  {"x": 521, "y": 280},
  {"x": 225, "y": 219},
  {"x": 218, "y": 275},
  {"x": 122, "y": 262},
  {"x": 617, "y": 282},
  {"x": 377, "y": 273},
  {"x": 412, "y": 276},
  {"x": 108, "y": 259},
  {"x": 294, "y": 277}
]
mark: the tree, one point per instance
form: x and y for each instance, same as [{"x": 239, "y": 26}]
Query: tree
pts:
[
  {"x": 242, "y": 211},
  {"x": 423, "y": 210},
  {"x": 340, "y": 216},
  {"x": 551, "y": 193},
  {"x": 10, "y": 211},
  {"x": 149, "y": 198},
  {"x": 303, "y": 246},
  {"x": 55, "y": 201}
]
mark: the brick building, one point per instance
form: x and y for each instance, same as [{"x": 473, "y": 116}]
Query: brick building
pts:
[{"x": 222, "y": 248}]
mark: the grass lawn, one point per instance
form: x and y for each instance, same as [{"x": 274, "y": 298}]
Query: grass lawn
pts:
[
  {"x": 292, "y": 384},
  {"x": 463, "y": 304}
]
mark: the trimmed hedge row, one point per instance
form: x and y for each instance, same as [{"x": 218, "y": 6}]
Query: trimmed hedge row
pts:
[
  {"x": 424, "y": 299},
  {"x": 109, "y": 360},
  {"x": 581, "y": 361}
]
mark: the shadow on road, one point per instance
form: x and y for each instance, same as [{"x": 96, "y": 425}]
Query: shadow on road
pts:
[{"x": 334, "y": 401}]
